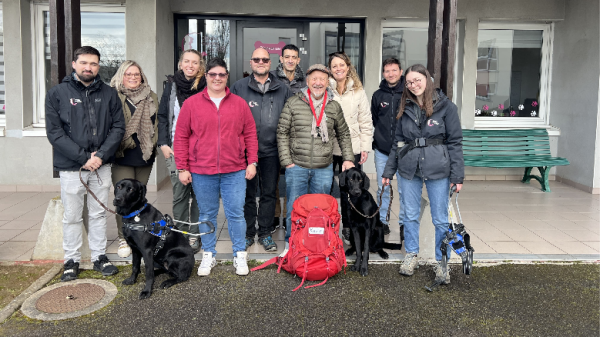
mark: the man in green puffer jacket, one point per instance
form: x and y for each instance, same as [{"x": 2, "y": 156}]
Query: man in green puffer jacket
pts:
[{"x": 308, "y": 123}]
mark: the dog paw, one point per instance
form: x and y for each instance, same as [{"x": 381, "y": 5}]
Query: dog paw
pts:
[
  {"x": 145, "y": 294},
  {"x": 364, "y": 271},
  {"x": 384, "y": 255},
  {"x": 128, "y": 281},
  {"x": 353, "y": 268},
  {"x": 167, "y": 284}
]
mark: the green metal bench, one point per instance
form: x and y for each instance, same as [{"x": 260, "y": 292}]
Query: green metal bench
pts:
[{"x": 526, "y": 148}]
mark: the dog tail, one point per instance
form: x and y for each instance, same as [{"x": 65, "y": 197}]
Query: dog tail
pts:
[{"x": 392, "y": 246}]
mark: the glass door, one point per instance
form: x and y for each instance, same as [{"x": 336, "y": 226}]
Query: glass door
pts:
[{"x": 273, "y": 36}]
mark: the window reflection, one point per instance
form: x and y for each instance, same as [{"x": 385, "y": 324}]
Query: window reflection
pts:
[
  {"x": 408, "y": 45},
  {"x": 508, "y": 73}
]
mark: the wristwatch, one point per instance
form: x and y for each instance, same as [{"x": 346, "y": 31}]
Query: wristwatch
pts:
[
  {"x": 182, "y": 170},
  {"x": 255, "y": 164}
]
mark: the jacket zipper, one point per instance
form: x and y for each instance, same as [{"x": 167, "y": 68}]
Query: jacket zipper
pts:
[
  {"x": 392, "y": 119},
  {"x": 218, "y": 136}
]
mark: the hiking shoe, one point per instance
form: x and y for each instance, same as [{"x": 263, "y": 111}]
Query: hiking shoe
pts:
[
  {"x": 249, "y": 242},
  {"x": 208, "y": 262},
  {"x": 439, "y": 274},
  {"x": 386, "y": 230},
  {"x": 104, "y": 266},
  {"x": 346, "y": 235},
  {"x": 268, "y": 243},
  {"x": 285, "y": 250},
  {"x": 240, "y": 264},
  {"x": 124, "y": 249},
  {"x": 195, "y": 244},
  {"x": 409, "y": 265},
  {"x": 71, "y": 270}
]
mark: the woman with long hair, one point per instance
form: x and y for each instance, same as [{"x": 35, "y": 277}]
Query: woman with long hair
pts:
[
  {"x": 186, "y": 82},
  {"x": 427, "y": 150},
  {"x": 348, "y": 91},
  {"x": 135, "y": 155}
]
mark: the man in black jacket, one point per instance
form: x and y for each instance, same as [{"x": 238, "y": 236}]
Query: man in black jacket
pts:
[
  {"x": 384, "y": 108},
  {"x": 288, "y": 71},
  {"x": 85, "y": 125},
  {"x": 266, "y": 96}
]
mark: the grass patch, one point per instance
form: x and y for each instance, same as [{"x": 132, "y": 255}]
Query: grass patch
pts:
[{"x": 14, "y": 279}]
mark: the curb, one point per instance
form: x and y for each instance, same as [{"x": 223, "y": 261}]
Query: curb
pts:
[{"x": 16, "y": 303}]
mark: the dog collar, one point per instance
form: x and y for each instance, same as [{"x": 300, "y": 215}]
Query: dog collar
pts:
[{"x": 131, "y": 215}]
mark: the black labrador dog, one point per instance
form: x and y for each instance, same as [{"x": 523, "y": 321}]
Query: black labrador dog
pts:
[
  {"x": 175, "y": 257},
  {"x": 367, "y": 232}
]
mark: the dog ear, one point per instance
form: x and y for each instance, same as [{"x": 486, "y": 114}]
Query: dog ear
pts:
[
  {"x": 141, "y": 192},
  {"x": 366, "y": 181},
  {"x": 342, "y": 179}
]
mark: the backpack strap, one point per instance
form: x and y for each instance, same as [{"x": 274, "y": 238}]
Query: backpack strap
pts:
[
  {"x": 305, "y": 272},
  {"x": 268, "y": 263}
]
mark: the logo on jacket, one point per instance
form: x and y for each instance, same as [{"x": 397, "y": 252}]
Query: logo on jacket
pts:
[
  {"x": 252, "y": 104},
  {"x": 432, "y": 122},
  {"x": 98, "y": 100},
  {"x": 75, "y": 101},
  {"x": 384, "y": 104}
]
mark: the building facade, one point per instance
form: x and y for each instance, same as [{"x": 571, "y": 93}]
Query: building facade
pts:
[{"x": 519, "y": 64}]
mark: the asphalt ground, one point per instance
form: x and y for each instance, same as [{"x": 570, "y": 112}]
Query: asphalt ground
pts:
[{"x": 508, "y": 299}]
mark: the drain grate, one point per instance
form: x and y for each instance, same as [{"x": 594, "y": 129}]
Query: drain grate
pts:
[{"x": 70, "y": 298}]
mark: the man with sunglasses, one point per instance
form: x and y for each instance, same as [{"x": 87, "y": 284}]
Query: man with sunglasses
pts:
[
  {"x": 265, "y": 95},
  {"x": 288, "y": 71}
]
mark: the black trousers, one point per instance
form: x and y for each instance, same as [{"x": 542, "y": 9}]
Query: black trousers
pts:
[
  {"x": 267, "y": 175},
  {"x": 337, "y": 162}
]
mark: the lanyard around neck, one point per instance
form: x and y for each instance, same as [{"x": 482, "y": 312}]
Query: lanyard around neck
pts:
[{"x": 312, "y": 108}]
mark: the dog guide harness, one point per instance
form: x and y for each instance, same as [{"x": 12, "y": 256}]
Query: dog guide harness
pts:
[
  {"x": 160, "y": 228},
  {"x": 458, "y": 240}
]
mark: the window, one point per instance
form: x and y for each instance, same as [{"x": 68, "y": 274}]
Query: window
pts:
[
  {"x": 512, "y": 75},
  {"x": 407, "y": 44},
  {"x": 101, "y": 27}
]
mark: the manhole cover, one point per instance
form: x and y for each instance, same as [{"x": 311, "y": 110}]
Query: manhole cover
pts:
[
  {"x": 67, "y": 300},
  {"x": 70, "y": 298}
]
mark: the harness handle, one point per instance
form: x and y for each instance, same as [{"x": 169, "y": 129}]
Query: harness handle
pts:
[
  {"x": 209, "y": 223},
  {"x": 452, "y": 190}
]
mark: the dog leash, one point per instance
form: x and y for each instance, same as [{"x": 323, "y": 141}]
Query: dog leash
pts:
[
  {"x": 92, "y": 193},
  {"x": 387, "y": 217},
  {"x": 100, "y": 182}
]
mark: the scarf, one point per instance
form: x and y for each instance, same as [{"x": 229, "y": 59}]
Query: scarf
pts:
[
  {"x": 184, "y": 87},
  {"x": 140, "y": 122}
]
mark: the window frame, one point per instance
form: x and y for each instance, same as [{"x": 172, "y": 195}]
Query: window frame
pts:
[
  {"x": 3, "y": 115},
  {"x": 543, "y": 117},
  {"x": 39, "y": 68}
]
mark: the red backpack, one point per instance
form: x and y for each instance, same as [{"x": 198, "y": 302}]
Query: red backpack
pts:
[{"x": 316, "y": 251}]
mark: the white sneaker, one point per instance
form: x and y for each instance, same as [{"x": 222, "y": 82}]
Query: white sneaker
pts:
[
  {"x": 285, "y": 251},
  {"x": 240, "y": 264},
  {"x": 208, "y": 261},
  {"x": 124, "y": 249}
]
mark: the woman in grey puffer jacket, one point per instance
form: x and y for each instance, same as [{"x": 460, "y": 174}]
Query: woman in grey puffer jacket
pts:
[{"x": 428, "y": 149}]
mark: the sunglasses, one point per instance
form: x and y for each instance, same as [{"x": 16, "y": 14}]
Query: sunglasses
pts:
[
  {"x": 213, "y": 75},
  {"x": 258, "y": 59}
]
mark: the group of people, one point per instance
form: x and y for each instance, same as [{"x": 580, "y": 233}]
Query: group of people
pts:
[{"x": 231, "y": 144}]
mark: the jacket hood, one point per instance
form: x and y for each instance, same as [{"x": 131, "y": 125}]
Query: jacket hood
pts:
[
  {"x": 298, "y": 73},
  {"x": 399, "y": 88},
  {"x": 333, "y": 85}
]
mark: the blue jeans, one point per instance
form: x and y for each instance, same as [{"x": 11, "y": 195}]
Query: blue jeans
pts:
[
  {"x": 437, "y": 190},
  {"x": 300, "y": 181},
  {"x": 232, "y": 188},
  {"x": 380, "y": 161}
]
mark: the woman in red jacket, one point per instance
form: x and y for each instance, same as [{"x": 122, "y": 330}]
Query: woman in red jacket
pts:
[{"x": 215, "y": 134}]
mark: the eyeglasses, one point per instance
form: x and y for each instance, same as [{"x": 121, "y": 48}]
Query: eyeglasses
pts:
[
  {"x": 258, "y": 59},
  {"x": 213, "y": 75},
  {"x": 415, "y": 82},
  {"x": 137, "y": 75}
]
